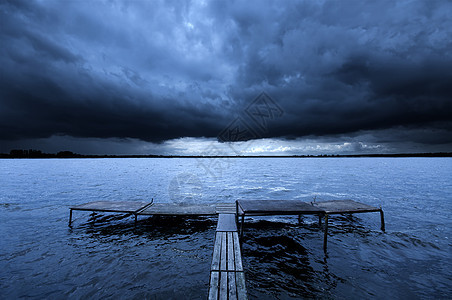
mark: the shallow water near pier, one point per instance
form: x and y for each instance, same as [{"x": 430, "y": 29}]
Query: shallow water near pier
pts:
[{"x": 169, "y": 257}]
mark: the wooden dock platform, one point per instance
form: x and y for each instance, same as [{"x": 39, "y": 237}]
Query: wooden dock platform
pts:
[
  {"x": 227, "y": 279},
  {"x": 188, "y": 210},
  {"x": 130, "y": 207},
  {"x": 295, "y": 207},
  {"x": 141, "y": 208}
]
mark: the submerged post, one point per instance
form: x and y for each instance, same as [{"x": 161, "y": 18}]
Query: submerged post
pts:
[
  {"x": 241, "y": 228},
  {"x": 70, "y": 217},
  {"x": 382, "y": 217},
  {"x": 237, "y": 214},
  {"x": 325, "y": 237}
]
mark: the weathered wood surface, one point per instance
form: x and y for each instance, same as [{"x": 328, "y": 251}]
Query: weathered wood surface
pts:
[
  {"x": 173, "y": 209},
  {"x": 225, "y": 208},
  {"x": 227, "y": 279},
  {"x": 344, "y": 206},
  {"x": 276, "y": 207},
  {"x": 112, "y": 206},
  {"x": 226, "y": 252},
  {"x": 227, "y": 285},
  {"x": 214, "y": 285},
  {"x": 226, "y": 222},
  {"x": 293, "y": 207}
]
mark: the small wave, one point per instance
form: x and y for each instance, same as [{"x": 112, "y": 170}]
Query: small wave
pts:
[
  {"x": 280, "y": 189},
  {"x": 10, "y": 206}
]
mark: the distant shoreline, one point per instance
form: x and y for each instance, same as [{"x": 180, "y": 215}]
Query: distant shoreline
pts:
[{"x": 18, "y": 154}]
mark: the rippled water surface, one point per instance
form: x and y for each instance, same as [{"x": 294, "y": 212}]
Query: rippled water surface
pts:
[{"x": 164, "y": 258}]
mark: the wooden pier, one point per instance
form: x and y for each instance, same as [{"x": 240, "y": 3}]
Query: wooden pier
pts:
[
  {"x": 227, "y": 278},
  {"x": 292, "y": 207}
]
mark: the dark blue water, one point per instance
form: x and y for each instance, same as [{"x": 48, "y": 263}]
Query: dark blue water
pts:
[{"x": 164, "y": 258}]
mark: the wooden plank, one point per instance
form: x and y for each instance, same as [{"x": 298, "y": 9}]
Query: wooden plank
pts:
[
  {"x": 111, "y": 206},
  {"x": 215, "y": 266},
  {"x": 223, "y": 257},
  {"x": 223, "y": 294},
  {"x": 144, "y": 207},
  {"x": 240, "y": 285},
  {"x": 226, "y": 222},
  {"x": 225, "y": 208},
  {"x": 232, "y": 289},
  {"x": 175, "y": 209},
  {"x": 214, "y": 282},
  {"x": 344, "y": 206},
  {"x": 230, "y": 252},
  {"x": 277, "y": 207},
  {"x": 237, "y": 252}
]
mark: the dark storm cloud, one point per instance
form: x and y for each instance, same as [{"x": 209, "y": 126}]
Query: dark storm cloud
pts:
[{"x": 158, "y": 71}]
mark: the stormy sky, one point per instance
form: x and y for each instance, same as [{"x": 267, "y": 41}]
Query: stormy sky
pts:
[{"x": 226, "y": 77}]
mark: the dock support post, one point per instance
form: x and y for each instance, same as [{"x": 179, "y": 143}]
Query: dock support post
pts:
[
  {"x": 325, "y": 237},
  {"x": 320, "y": 220},
  {"x": 236, "y": 214},
  {"x": 70, "y": 217},
  {"x": 382, "y": 217},
  {"x": 241, "y": 228}
]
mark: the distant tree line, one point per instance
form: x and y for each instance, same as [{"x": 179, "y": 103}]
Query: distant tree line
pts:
[{"x": 31, "y": 153}]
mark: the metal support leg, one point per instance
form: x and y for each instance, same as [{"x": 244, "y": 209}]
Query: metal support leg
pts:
[
  {"x": 241, "y": 227},
  {"x": 325, "y": 237},
  {"x": 300, "y": 219},
  {"x": 70, "y": 217},
  {"x": 382, "y": 217},
  {"x": 236, "y": 214}
]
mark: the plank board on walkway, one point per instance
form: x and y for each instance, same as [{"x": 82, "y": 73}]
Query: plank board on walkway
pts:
[
  {"x": 214, "y": 285},
  {"x": 112, "y": 206},
  {"x": 227, "y": 285},
  {"x": 226, "y": 252},
  {"x": 277, "y": 207},
  {"x": 344, "y": 206},
  {"x": 226, "y": 222},
  {"x": 227, "y": 279},
  {"x": 237, "y": 253},
  {"x": 232, "y": 287},
  {"x": 223, "y": 285},
  {"x": 241, "y": 286}
]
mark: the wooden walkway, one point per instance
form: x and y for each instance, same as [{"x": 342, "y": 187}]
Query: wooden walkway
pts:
[{"x": 227, "y": 278}]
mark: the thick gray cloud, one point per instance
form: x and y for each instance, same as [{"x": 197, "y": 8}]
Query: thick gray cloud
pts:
[{"x": 157, "y": 71}]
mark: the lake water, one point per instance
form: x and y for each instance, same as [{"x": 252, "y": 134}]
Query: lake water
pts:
[{"x": 169, "y": 258}]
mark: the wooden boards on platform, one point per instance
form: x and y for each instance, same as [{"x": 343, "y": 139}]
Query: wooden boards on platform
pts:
[
  {"x": 142, "y": 208},
  {"x": 188, "y": 210},
  {"x": 112, "y": 206},
  {"x": 226, "y": 222},
  {"x": 276, "y": 207},
  {"x": 227, "y": 278},
  {"x": 131, "y": 207},
  {"x": 344, "y": 206},
  {"x": 294, "y": 207}
]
